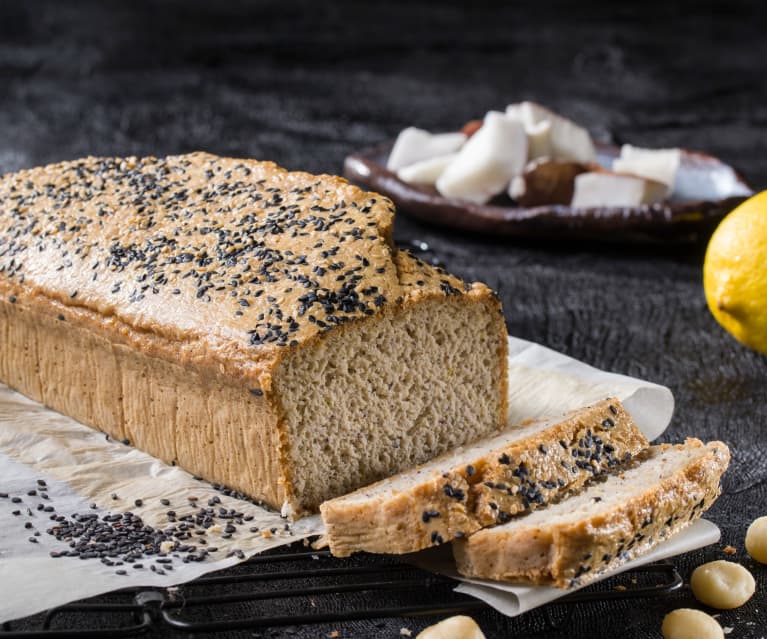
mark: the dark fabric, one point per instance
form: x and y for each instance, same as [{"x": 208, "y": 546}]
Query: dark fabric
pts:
[{"x": 306, "y": 83}]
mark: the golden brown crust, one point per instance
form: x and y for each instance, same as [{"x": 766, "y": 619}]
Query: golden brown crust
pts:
[
  {"x": 453, "y": 500},
  {"x": 571, "y": 554},
  {"x": 215, "y": 263},
  {"x": 213, "y": 429}
]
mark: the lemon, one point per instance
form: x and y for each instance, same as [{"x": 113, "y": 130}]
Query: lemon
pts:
[{"x": 735, "y": 273}]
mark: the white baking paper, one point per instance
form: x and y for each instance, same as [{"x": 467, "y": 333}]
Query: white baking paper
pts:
[{"x": 83, "y": 470}]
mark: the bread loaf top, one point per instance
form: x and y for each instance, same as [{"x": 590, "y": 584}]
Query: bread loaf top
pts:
[{"x": 216, "y": 262}]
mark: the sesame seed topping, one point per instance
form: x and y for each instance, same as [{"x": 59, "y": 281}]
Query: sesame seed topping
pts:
[{"x": 285, "y": 256}]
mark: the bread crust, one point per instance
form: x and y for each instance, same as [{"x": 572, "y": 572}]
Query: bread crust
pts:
[
  {"x": 572, "y": 554},
  {"x": 449, "y": 500}
]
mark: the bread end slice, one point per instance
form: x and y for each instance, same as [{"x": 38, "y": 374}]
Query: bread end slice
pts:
[{"x": 606, "y": 525}]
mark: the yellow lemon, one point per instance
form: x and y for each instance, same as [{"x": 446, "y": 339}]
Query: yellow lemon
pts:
[{"x": 735, "y": 273}]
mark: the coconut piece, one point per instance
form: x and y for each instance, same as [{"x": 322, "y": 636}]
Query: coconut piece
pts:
[
  {"x": 487, "y": 162},
  {"x": 415, "y": 145},
  {"x": 546, "y": 181},
  {"x": 606, "y": 188},
  {"x": 425, "y": 171},
  {"x": 660, "y": 165},
  {"x": 568, "y": 141}
]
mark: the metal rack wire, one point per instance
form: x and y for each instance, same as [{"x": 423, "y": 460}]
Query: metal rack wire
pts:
[{"x": 301, "y": 587}]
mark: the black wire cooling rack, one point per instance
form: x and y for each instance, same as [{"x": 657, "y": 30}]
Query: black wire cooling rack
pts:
[{"x": 297, "y": 588}]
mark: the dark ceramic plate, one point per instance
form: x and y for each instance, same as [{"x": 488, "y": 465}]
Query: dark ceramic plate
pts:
[{"x": 717, "y": 187}]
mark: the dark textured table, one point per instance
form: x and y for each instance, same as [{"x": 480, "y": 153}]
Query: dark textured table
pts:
[{"x": 305, "y": 84}]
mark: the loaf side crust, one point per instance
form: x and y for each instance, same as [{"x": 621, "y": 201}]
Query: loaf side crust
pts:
[
  {"x": 206, "y": 424},
  {"x": 573, "y": 554},
  {"x": 482, "y": 490}
]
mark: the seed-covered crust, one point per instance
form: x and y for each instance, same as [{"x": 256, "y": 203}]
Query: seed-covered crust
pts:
[
  {"x": 572, "y": 553},
  {"x": 214, "y": 262},
  {"x": 452, "y": 497}
]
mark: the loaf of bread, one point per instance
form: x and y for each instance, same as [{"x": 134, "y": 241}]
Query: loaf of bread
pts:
[
  {"x": 255, "y": 326},
  {"x": 610, "y": 522},
  {"x": 520, "y": 469}
]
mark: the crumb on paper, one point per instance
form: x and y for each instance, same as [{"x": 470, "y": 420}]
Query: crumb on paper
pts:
[
  {"x": 166, "y": 546},
  {"x": 727, "y": 630},
  {"x": 406, "y": 632},
  {"x": 729, "y": 550},
  {"x": 621, "y": 588},
  {"x": 334, "y": 634},
  {"x": 320, "y": 543}
]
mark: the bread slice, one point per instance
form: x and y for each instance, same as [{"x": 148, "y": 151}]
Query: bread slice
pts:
[
  {"x": 257, "y": 327},
  {"x": 482, "y": 484},
  {"x": 609, "y": 523}
]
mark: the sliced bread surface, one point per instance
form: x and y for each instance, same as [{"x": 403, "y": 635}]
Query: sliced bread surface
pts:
[
  {"x": 610, "y": 522},
  {"x": 520, "y": 469}
]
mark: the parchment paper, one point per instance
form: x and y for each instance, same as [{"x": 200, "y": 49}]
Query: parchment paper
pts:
[{"x": 83, "y": 471}]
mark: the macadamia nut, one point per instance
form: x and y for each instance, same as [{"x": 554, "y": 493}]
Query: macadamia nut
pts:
[
  {"x": 458, "y": 627},
  {"x": 756, "y": 540},
  {"x": 686, "y": 623},
  {"x": 722, "y": 584}
]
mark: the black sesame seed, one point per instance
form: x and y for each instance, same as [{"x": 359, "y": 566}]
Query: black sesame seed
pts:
[
  {"x": 469, "y": 470},
  {"x": 542, "y": 448}
]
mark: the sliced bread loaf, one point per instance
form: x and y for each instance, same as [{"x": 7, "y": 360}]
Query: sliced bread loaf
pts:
[
  {"x": 483, "y": 484},
  {"x": 610, "y": 522}
]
